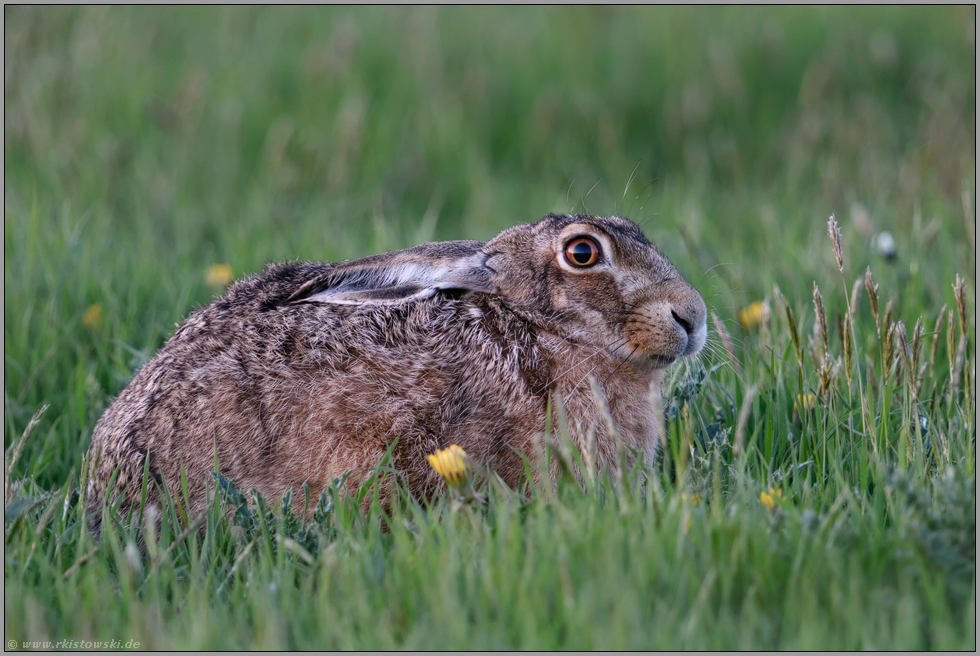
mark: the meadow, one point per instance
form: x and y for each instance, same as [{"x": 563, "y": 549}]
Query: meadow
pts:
[{"x": 816, "y": 488}]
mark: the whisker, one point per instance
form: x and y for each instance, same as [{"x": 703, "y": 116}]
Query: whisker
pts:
[
  {"x": 586, "y": 197},
  {"x": 621, "y": 363},
  {"x": 708, "y": 270},
  {"x": 631, "y": 178},
  {"x": 598, "y": 351},
  {"x": 584, "y": 378}
]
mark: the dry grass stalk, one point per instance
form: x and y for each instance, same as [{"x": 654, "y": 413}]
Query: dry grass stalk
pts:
[
  {"x": 14, "y": 454},
  {"x": 150, "y": 518},
  {"x": 968, "y": 378},
  {"x": 743, "y": 419},
  {"x": 726, "y": 340},
  {"x": 764, "y": 323},
  {"x": 841, "y": 330},
  {"x": 855, "y": 291},
  {"x": 959, "y": 291},
  {"x": 658, "y": 413}
]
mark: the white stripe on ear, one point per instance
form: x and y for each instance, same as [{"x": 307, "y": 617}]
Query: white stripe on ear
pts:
[{"x": 382, "y": 296}]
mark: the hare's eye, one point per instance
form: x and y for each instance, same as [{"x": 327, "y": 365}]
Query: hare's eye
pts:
[{"x": 582, "y": 252}]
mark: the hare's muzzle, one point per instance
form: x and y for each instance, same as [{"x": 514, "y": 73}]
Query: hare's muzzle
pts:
[{"x": 661, "y": 330}]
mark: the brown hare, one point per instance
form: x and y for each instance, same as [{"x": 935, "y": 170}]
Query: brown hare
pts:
[{"x": 308, "y": 371}]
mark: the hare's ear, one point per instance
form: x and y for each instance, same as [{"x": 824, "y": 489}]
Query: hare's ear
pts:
[{"x": 390, "y": 278}]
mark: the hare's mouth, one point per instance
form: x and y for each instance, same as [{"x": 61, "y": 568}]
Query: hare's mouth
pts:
[
  {"x": 644, "y": 360},
  {"x": 660, "y": 361},
  {"x": 653, "y": 356},
  {"x": 652, "y": 362}
]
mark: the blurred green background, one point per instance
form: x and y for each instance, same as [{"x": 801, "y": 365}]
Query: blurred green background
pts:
[{"x": 143, "y": 145}]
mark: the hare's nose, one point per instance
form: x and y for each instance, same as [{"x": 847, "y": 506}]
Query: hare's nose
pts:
[
  {"x": 691, "y": 315},
  {"x": 684, "y": 323}
]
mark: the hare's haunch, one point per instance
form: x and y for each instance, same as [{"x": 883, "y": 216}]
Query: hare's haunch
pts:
[{"x": 307, "y": 371}]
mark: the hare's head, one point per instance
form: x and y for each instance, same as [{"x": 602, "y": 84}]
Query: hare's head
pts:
[
  {"x": 604, "y": 282},
  {"x": 596, "y": 280}
]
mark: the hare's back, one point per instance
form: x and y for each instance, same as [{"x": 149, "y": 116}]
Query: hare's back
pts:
[
  {"x": 199, "y": 383},
  {"x": 284, "y": 393}
]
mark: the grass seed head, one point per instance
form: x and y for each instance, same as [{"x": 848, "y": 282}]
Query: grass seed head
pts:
[
  {"x": 827, "y": 376},
  {"x": 916, "y": 355},
  {"x": 887, "y": 351},
  {"x": 835, "y": 239},
  {"x": 959, "y": 291},
  {"x": 873, "y": 296},
  {"x": 931, "y": 364},
  {"x": 917, "y": 333},
  {"x": 816, "y": 344},
  {"x": 821, "y": 320},
  {"x": 951, "y": 349},
  {"x": 905, "y": 352}
]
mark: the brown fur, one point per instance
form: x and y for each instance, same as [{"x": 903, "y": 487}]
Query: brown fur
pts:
[{"x": 307, "y": 371}]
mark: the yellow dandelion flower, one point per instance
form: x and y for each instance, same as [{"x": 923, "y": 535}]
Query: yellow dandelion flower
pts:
[
  {"x": 453, "y": 465},
  {"x": 220, "y": 275},
  {"x": 92, "y": 319},
  {"x": 751, "y": 316},
  {"x": 771, "y": 498},
  {"x": 808, "y": 401}
]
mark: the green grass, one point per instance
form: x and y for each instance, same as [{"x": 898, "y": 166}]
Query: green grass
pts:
[{"x": 141, "y": 146}]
